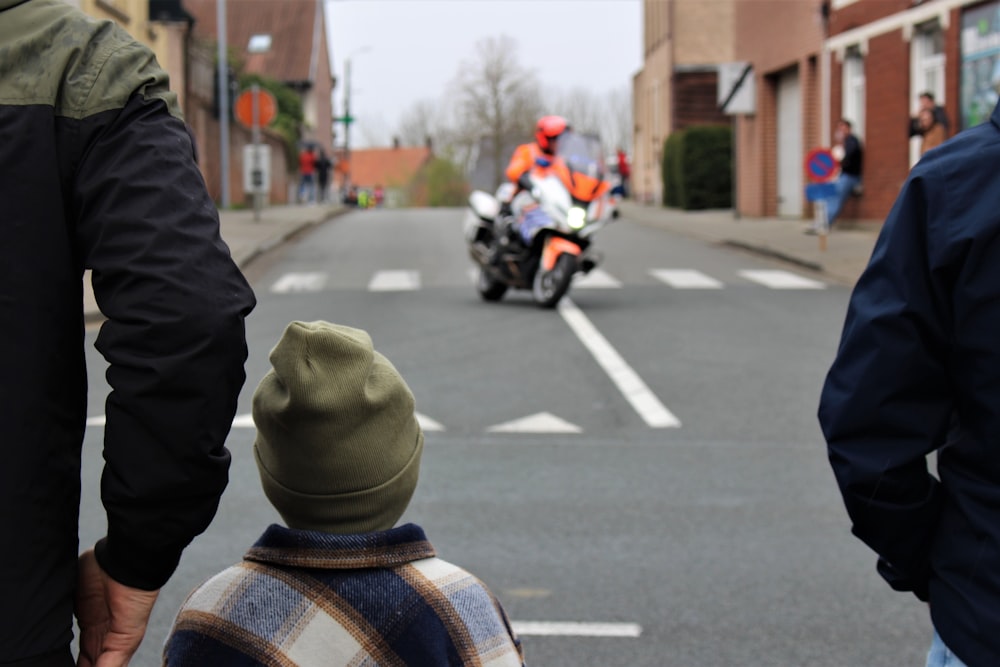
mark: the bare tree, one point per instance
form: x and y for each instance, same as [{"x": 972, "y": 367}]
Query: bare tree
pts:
[
  {"x": 496, "y": 102},
  {"x": 607, "y": 115},
  {"x": 419, "y": 123},
  {"x": 620, "y": 122}
]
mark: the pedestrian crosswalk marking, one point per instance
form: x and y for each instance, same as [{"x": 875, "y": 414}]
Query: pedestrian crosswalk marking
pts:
[
  {"x": 685, "y": 279},
  {"x": 300, "y": 282},
  {"x": 543, "y": 422},
  {"x": 781, "y": 280},
  {"x": 575, "y": 629},
  {"x": 394, "y": 281},
  {"x": 596, "y": 279},
  {"x": 409, "y": 280}
]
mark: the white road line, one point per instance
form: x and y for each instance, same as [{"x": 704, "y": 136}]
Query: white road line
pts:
[
  {"x": 96, "y": 421},
  {"x": 395, "y": 281},
  {"x": 576, "y": 629},
  {"x": 644, "y": 401},
  {"x": 781, "y": 280},
  {"x": 299, "y": 282},
  {"x": 543, "y": 422},
  {"x": 685, "y": 279},
  {"x": 596, "y": 279}
]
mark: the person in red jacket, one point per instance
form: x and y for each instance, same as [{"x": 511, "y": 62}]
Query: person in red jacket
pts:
[{"x": 624, "y": 172}]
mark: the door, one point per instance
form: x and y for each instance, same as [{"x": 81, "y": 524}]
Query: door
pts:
[{"x": 790, "y": 153}]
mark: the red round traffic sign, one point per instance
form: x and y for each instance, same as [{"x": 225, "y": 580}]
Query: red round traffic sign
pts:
[
  {"x": 821, "y": 165},
  {"x": 267, "y": 108}
]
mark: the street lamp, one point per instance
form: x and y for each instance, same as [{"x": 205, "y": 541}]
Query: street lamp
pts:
[{"x": 347, "y": 119}]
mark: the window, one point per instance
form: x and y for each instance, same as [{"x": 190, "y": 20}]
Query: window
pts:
[
  {"x": 259, "y": 43},
  {"x": 926, "y": 71},
  {"x": 853, "y": 91}
]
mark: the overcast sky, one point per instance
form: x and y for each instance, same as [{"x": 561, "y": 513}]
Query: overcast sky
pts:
[{"x": 403, "y": 51}]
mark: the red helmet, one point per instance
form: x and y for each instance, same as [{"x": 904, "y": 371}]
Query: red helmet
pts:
[{"x": 549, "y": 128}]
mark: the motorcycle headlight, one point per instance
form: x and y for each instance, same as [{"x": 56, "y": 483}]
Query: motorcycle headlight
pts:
[{"x": 576, "y": 218}]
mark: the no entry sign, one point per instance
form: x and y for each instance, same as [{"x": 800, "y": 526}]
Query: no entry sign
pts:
[
  {"x": 267, "y": 107},
  {"x": 821, "y": 165}
]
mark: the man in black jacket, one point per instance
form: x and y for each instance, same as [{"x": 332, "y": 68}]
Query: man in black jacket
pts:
[
  {"x": 97, "y": 172},
  {"x": 918, "y": 371},
  {"x": 850, "y": 169}
]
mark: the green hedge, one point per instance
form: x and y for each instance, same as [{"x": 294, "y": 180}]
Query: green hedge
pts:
[{"x": 697, "y": 168}]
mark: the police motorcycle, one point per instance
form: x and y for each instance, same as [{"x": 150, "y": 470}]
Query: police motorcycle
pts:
[{"x": 544, "y": 239}]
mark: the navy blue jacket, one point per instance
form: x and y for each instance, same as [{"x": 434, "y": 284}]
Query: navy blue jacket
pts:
[{"x": 918, "y": 371}]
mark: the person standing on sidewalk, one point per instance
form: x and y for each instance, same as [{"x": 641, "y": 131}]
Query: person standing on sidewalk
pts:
[
  {"x": 97, "y": 171},
  {"x": 849, "y": 180},
  {"x": 916, "y": 372}
]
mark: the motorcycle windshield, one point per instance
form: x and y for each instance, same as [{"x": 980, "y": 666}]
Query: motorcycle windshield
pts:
[{"x": 582, "y": 157}]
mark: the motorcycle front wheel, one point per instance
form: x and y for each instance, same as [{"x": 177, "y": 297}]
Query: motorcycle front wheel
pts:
[
  {"x": 489, "y": 288},
  {"x": 550, "y": 286}
]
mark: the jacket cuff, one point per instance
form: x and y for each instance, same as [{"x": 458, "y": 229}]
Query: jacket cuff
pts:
[
  {"x": 899, "y": 581},
  {"x": 135, "y": 566}
]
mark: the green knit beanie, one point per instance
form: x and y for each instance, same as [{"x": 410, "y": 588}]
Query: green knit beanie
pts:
[{"x": 338, "y": 444}]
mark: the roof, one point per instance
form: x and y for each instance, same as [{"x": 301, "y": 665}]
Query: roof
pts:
[
  {"x": 295, "y": 27},
  {"x": 389, "y": 167}
]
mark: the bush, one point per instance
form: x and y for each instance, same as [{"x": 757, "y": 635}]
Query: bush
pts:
[
  {"x": 439, "y": 183},
  {"x": 697, "y": 168}
]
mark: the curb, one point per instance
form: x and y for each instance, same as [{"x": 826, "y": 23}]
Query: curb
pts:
[{"x": 774, "y": 254}]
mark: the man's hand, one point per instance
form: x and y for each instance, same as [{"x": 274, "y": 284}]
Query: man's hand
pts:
[{"x": 112, "y": 617}]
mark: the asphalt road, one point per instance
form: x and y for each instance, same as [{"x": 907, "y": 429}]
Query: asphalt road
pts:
[{"x": 552, "y": 468}]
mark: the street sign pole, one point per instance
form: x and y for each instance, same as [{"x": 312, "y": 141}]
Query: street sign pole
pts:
[{"x": 256, "y": 152}]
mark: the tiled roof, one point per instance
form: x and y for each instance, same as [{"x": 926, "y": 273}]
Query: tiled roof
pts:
[
  {"x": 389, "y": 167},
  {"x": 295, "y": 26}
]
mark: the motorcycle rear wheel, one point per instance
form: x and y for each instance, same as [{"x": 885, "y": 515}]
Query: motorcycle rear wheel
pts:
[
  {"x": 550, "y": 286},
  {"x": 489, "y": 288}
]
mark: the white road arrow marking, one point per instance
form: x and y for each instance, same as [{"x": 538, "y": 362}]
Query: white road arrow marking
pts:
[
  {"x": 428, "y": 424},
  {"x": 299, "y": 282},
  {"x": 394, "y": 281},
  {"x": 576, "y": 629},
  {"x": 781, "y": 280},
  {"x": 685, "y": 279},
  {"x": 635, "y": 391},
  {"x": 543, "y": 422}
]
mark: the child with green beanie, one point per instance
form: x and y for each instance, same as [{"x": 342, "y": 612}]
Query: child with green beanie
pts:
[{"x": 338, "y": 449}]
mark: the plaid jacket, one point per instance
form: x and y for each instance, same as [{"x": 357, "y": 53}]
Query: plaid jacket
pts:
[{"x": 308, "y": 598}]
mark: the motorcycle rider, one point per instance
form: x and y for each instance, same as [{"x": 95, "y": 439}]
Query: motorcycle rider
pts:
[{"x": 536, "y": 157}]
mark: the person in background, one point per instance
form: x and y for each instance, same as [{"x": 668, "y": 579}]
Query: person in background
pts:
[
  {"x": 915, "y": 374},
  {"x": 307, "y": 175},
  {"x": 323, "y": 164},
  {"x": 338, "y": 449},
  {"x": 925, "y": 102},
  {"x": 98, "y": 172},
  {"x": 624, "y": 172},
  {"x": 932, "y": 132},
  {"x": 848, "y": 181}
]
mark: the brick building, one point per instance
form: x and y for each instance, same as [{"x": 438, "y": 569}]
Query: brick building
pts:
[
  {"x": 683, "y": 44},
  {"x": 882, "y": 54},
  {"x": 785, "y": 122}
]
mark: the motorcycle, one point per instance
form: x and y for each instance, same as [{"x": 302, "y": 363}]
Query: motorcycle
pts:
[{"x": 544, "y": 240}]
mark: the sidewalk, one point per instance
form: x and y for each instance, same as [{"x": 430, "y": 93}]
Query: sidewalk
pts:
[
  {"x": 845, "y": 257},
  {"x": 247, "y": 238}
]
